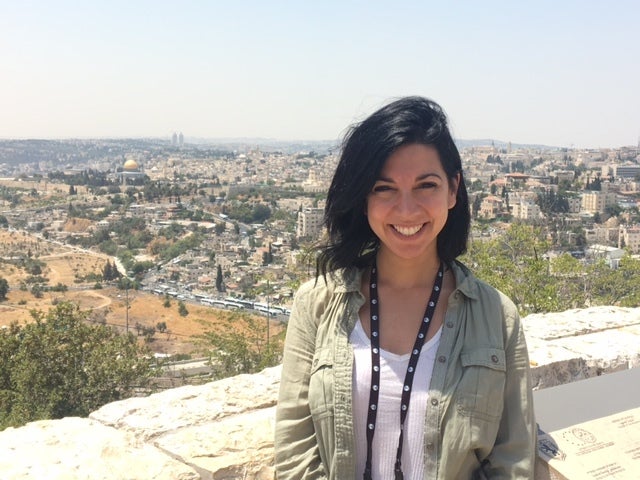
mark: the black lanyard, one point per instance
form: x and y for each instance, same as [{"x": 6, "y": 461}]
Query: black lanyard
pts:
[{"x": 375, "y": 366}]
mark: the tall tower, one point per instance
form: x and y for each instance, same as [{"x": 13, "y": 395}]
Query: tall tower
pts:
[
  {"x": 180, "y": 139},
  {"x": 174, "y": 139}
]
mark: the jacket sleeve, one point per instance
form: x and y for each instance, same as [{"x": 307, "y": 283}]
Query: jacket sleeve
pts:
[
  {"x": 297, "y": 453},
  {"x": 513, "y": 455}
]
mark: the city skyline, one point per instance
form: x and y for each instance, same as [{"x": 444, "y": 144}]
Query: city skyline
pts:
[{"x": 560, "y": 75}]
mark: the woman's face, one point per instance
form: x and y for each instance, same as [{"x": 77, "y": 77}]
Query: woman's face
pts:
[{"x": 409, "y": 203}]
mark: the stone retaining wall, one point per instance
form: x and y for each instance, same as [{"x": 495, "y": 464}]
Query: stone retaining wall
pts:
[{"x": 224, "y": 429}]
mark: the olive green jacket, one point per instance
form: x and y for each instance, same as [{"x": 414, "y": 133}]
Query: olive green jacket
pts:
[{"x": 480, "y": 421}]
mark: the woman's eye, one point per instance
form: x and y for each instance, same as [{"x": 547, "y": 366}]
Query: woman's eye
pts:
[
  {"x": 427, "y": 185},
  {"x": 381, "y": 188}
]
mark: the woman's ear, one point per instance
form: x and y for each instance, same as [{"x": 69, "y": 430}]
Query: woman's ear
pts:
[{"x": 454, "y": 183}]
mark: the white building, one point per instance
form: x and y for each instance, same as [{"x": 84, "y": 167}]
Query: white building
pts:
[
  {"x": 526, "y": 211},
  {"x": 310, "y": 222},
  {"x": 611, "y": 255},
  {"x": 597, "y": 202},
  {"x": 630, "y": 238}
]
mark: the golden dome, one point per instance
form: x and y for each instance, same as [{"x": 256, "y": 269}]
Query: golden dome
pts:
[{"x": 130, "y": 166}]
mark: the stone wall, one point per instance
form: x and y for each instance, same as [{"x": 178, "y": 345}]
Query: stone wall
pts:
[{"x": 224, "y": 429}]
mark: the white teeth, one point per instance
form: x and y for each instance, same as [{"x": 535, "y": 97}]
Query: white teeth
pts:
[{"x": 407, "y": 231}]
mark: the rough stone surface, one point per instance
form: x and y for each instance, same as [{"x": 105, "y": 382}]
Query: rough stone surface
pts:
[
  {"x": 224, "y": 429},
  {"x": 75, "y": 448},
  {"x": 578, "y": 344}
]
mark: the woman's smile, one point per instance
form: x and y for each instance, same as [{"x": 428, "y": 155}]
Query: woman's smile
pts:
[{"x": 407, "y": 231}]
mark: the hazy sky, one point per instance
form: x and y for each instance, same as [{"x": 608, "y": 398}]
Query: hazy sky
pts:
[{"x": 564, "y": 73}]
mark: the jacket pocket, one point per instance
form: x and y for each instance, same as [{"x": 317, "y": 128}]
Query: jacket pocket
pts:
[
  {"x": 481, "y": 389},
  {"x": 321, "y": 384}
]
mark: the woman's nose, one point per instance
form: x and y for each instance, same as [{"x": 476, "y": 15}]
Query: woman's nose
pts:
[{"x": 406, "y": 202}]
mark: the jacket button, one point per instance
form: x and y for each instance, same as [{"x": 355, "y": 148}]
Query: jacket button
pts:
[
  {"x": 450, "y": 324},
  {"x": 430, "y": 446},
  {"x": 494, "y": 358},
  {"x": 442, "y": 359},
  {"x": 434, "y": 401}
]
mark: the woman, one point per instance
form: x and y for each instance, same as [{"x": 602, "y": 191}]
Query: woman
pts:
[{"x": 398, "y": 363}]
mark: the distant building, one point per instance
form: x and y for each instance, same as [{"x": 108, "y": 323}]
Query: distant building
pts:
[
  {"x": 180, "y": 139},
  {"x": 597, "y": 202},
  {"x": 136, "y": 210},
  {"x": 526, "y": 211},
  {"x": 602, "y": 234},
  {"x": 310, "y": 222},
  {"x": 491, "y": 207},
  {"x": 516, "y": 179},
  {"x": 131, "y": 173},
  {"x": 316, "y": 181},
  {"x": 611, "y": 255},
  {"x": 630, "y": 238},
  {"x": 629, "y": 171},
  {"x": 575, "y": 204},
  {"x": 564, "y": 175}
]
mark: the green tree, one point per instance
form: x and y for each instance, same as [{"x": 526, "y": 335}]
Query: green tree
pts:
[
  {"x": 515, "y": 264},
  {"x": 37, "y": 290},
  {"x": 219, "y": 280},
  {"x": 106, "y": 271},
  {"x": 619, "y": 286},
  {"x": 570, "y": 279},
  {"x": 4, "y": 288},
  {"x": 239, "y": 345},
  {"x": 59, "y": 365},
  {"x": 220, "y": 228},
  {"x": 182, "y": 309}
]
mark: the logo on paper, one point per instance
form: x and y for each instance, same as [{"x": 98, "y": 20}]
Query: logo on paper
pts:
[
  {"x": 550, "y": 449},
  {"x": 579, "y": 437}
]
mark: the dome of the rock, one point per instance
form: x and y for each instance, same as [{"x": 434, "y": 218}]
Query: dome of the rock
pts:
[{"x": 130, "y": 166}]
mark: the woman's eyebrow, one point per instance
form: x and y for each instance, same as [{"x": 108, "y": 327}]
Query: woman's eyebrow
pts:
[
  {"x": 427, "y": 175},
  {"x": 418, "y": 178}
]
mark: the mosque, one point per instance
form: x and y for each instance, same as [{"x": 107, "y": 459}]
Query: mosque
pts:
[{"x": 130, "y": 173}]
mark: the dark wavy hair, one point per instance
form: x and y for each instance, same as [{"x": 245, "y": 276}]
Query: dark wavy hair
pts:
[{"x": 365, "y": 149}]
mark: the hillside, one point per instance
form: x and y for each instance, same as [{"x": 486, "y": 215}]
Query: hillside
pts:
[{"x": 70, "y": 267}]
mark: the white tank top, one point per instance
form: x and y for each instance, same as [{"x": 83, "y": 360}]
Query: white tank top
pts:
[{"x": 385, "y": 441}]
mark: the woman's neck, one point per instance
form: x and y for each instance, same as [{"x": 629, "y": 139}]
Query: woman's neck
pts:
[{"x": 400, "y": 273}]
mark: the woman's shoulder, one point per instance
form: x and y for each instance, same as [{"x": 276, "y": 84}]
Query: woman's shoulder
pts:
[
  {"x": 482, "y": 292},
  {"x": 489, "y": 306},
  {"x": 337, "y": 281},
  {"x": 315, "y": 297}
]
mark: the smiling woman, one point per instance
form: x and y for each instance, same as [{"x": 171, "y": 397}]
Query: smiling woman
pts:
[
  {"x": 398, "y": 362},
  {"x": 409, "y": 204}
]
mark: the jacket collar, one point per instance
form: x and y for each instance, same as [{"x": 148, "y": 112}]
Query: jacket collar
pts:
[{"x": 466, "y": 282}]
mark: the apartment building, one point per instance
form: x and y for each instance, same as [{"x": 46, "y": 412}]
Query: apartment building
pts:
[
  {"x": 310, "y": 222},
  {"x": 597, "y": 202},
  {"x": 629, "y": 238},
  {"x": 491, "y": 207},
  {"x": 526, "y": 210}
]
